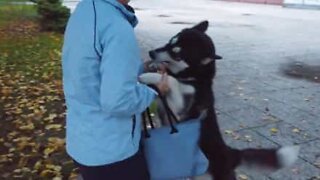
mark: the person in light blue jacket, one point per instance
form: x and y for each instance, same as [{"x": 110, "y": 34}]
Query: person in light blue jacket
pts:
[{"x": 101, "y": 63}]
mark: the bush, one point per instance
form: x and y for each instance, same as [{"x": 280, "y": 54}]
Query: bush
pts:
[{"x": 53, "y": 15}]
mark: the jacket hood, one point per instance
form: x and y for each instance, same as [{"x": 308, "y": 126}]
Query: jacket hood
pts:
[{"x": 126, "y": 10}]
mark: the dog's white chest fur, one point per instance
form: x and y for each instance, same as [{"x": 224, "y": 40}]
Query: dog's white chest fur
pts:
[{"x": 175, "y": 96}]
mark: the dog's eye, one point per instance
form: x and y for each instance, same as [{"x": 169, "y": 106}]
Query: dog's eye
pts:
[{"x": 176, "y": 50}]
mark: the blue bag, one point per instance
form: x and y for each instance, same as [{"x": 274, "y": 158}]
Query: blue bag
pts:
[{"x": 173, "y": 152}]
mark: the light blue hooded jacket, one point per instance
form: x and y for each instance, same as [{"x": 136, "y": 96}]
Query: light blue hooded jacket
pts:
[{"x": 102, "y": 95}]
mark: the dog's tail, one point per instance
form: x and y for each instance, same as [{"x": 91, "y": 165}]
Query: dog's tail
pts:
[
  {"x": 223, "y": 159},
  {"x": 267, "y": 158}
]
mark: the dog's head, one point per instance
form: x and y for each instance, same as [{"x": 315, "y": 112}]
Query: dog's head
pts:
[{"x": 188, "y": 52}]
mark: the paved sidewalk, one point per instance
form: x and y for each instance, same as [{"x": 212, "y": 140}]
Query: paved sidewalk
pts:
[{"x": 268, "y": 85}]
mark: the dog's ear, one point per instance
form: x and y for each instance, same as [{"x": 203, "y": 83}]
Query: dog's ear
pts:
[
  {"x": 206, "y": 61},
  {"x": 217, "y": 57},
  {"x": 203, "y": 26}
]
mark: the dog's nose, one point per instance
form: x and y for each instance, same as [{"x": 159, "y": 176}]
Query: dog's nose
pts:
[{"x": 152, "y": 54}]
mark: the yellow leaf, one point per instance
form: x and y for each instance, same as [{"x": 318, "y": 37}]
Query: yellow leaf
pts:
[
  {"x": 51, "y": 117},
  {"x": 48, "y": 151},
  {"x": 25, "y": 169},
  {"x": 243, "y": 177},
  {"x": 53, "y": 126},
  {"x": 30, "y": 126},
  {"x": 23, "y": 162},
  {"x": 12, "y": 150},
  {"x": 22, "y": 139},
  {"x": 57, "y": 178},
  {"x": 3, "y": 159},
  {"x": 54, "y": 167},
  {"x": 46, "y": 173},
  {"x": 56, "y": 142},
  {"x": 296, "y": 130},
  {"x": 18, "y": 111},
  {"x": 37, "y": 165},
  {"x": 17, "y": 171},
  {"x": 73, "y": 176},
  {"x": 274, "y": 130},
  {"x": 12, "y": 134}
]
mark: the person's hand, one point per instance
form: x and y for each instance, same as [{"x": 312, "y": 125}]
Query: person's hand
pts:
[
  {"x": 163, "y": 85},
  {"x": 151, "y": 66}
]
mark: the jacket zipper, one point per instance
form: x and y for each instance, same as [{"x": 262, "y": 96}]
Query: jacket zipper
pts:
[{"x": 134, "y": 122}]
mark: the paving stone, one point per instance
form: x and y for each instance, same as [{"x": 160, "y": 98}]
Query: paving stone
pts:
[
  {"x": 227, "y": 123},
  {"x": 252, "y": 117},
  {"x": 305, "y": 99},
  {"x": 228, "y": 104},
  {"x": 263, "y": 102},
  {"x": 284, "y": 134},
  {"x": 251, "y": 174},
  {"x": 305, "y": 121},
  {"x": 311, "y": 152},
  {"x": 301, "y": 170},
  {"x": 248, "y": 139}
]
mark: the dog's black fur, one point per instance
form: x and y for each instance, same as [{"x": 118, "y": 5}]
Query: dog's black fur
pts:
[{"x": 197, "y": 50}]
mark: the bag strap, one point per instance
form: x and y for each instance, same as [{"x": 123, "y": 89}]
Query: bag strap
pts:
[{"x": 171, "y": 116}]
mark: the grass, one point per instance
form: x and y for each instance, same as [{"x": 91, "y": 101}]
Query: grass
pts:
[
  {"x": 31, "y": 99},
  {"x": 26, "y": 50},
  {"x": 11, "y": 13}
]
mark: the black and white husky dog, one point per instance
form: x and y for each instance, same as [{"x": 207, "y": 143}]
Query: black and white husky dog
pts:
[{"x": 191, "y": 64}]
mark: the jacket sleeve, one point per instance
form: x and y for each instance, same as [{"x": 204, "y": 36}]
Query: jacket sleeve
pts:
[{"x": 121, "y": 93}]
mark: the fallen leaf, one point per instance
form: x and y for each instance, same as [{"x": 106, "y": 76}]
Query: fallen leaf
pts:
[
  {"x": 30, "y": 126},
  {"x": 17, "y": 171},
  {"x": 4, "y": 159},
  {"x": 37, "y": 165},
  {"x": 48, "y": 151},
  {"x": 11, "y": 135},
  {"x": 243, "y": 177},
  {"x": 248, "y": 138},
  {"x": 57, "y": 178},
  {"x": 12, "y": 150},
  {"x": 296, "y": 130},
  {"x": 53, "y": 126},
  {"x": 54, "y": 167},
  {"x": 46, "y": 173},
  {"x": 73, "y": 176},
  {"x": 25, "y": 169},
  {"x": 56, "y": 142},
  {"x": 274, "y": 130},
  {"x": 23, "y": 161},
  {"x": 51, "y": 117},
  {"x": 295, "y": 170}
]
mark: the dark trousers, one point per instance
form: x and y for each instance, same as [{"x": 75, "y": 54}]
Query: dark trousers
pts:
[{"x": 133, "y": 168}]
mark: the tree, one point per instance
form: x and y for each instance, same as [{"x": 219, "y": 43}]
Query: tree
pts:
[{"x": 53, "y": 15}]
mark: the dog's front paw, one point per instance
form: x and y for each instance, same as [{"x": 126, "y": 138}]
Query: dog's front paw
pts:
[{"x": 150, "y": 78}]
